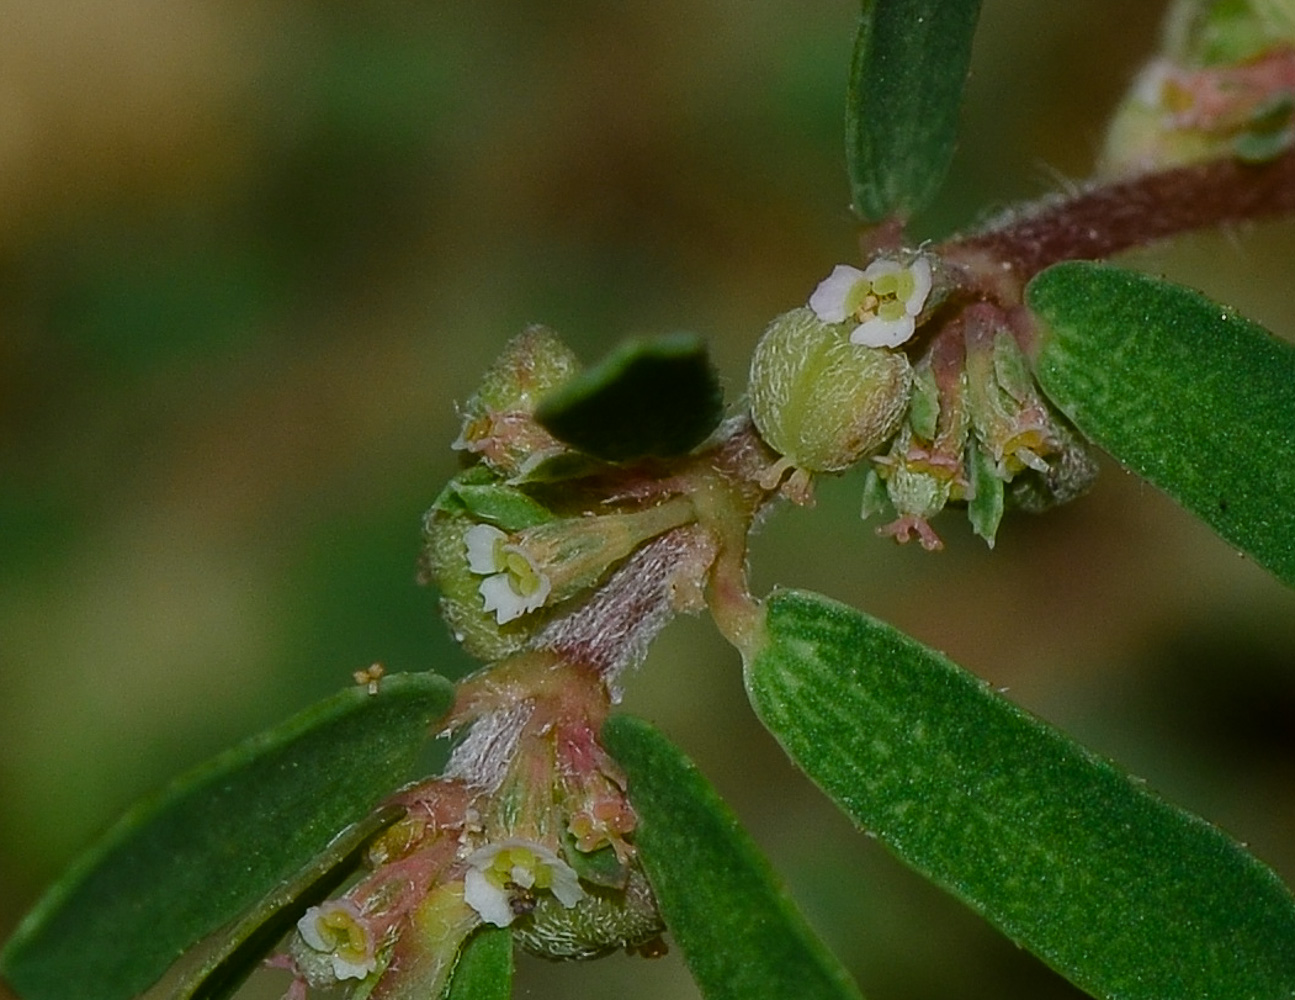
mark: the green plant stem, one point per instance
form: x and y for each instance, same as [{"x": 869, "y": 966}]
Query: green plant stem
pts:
[{"x": 727, "y": 495}]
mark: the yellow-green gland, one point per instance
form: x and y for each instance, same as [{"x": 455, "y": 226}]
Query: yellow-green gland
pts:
[{"x": 821, "y": 401}]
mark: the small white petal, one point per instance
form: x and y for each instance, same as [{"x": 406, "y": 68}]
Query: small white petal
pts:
[
  {"x": 343, "y": 969},
  {"x": 566, "y": 884},
  {"x": 829, "y": 298},
  {"x": 483, "y": 856},
  {"x": 879, "y": 267},
  {"x": 480, "y": 540},
  {"x": 499, "y": 597},
  {"x": 1033, "y": 460},
  {"x": 486, "y": 898},
  {"x": 878, "y": 332},
  {"x": 308, "y": 928},
  {"x": 921, "y": 269},
  {"x": 1149, "y": 85}
]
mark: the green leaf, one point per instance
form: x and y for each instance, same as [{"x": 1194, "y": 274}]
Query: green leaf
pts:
[
  {"x": 1182, "y": 391},
  {"x": 911, "y": 59},
  {"x": 740, "y": 933},
  {"x": 484, "y": 970},
  {"x": 477, "y": 492},
  {"x": 234, "y": 954},
  {"x": 650, "y": 397},
  {"x": 217, "y": 840},
  {"x": 1125, "y": 895},
  {"x": 502, "y": 506}
]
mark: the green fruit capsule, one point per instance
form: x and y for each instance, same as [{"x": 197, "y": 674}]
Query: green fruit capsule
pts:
[{"x": 821, "y": 401}]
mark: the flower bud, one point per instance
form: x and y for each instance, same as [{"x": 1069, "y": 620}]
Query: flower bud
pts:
[
  {"x": 1224, "y": 85},
  {"x": 498, "y": 421},
  {"x": 820, "y": 400}
]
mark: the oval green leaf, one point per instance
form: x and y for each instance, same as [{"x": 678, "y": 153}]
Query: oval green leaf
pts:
[
  {"x": 1123, "y": 894},
  {"x": 484, "y": 970},
  {"x": 740, "y": 933},
  {"x": 1182, "y": 391},
  {"x": 500, "y": 505},
  {"x": 910, "y": 65},
  {"x": 195, "y": 856},
  {"x": 654, "y": 397}
]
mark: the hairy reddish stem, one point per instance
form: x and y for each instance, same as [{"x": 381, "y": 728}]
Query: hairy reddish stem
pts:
[{"x": 1103, "y": 220}]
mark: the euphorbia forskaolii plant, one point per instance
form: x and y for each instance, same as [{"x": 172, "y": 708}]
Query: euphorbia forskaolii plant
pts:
[{"x": 593, "y": 505}]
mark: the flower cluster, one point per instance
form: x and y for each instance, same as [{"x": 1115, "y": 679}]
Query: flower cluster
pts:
[
  {"x": 977, "y": 432},
  {"x": 955, "y": 418}
]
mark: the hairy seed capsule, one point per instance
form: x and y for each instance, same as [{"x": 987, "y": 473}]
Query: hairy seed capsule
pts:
[
  {"x": 602, "y": 922},
  {"x": 821, "y": 401}
]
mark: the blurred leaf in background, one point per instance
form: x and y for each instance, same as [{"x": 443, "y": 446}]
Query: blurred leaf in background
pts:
[{"x": 250, "y": 258}]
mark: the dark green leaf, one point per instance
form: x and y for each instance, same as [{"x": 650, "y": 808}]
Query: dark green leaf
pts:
[
  {"x": 1123, "y": 894},
  {"x": 653, "y": 397},
  {"x": 195, "y": 856},
  {"x": 1181, "y": 390},
  {"x": 485, "y": 967},
  {"x": 741, "y": 935},
  {"x": 234, "y": 954},
  {"x": 910, "y": 64}
]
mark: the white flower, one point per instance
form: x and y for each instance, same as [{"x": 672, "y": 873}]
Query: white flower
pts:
[
  {"x": 513, "y": 584},
  {"x": 885, "y": 298},
  {"x": 502, "y": 876},
  {"x": 338, "y": 930}
]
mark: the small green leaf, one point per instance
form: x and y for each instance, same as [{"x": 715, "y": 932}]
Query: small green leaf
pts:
[
  {"x": 910, "y": 64},
  {"x": 198, "y": 854},
  {"x": 1182, "y": 391},
  {"x": 1125, "y": 895},
  {"x": 502, "y": 506},
  {"x": 653, "y": 397},
  {"x": 741, "y": 935},
  {"x": 477, "y": 492},
  {"x": 484, "y": 970}
]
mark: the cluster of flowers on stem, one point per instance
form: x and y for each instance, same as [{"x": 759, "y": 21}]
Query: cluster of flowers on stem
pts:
[
  {"x": 906, "y": 364},
  {"x": 528, "y": 828}
]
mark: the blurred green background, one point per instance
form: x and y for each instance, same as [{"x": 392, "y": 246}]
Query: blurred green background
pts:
[{"x": 250, "y": 256}]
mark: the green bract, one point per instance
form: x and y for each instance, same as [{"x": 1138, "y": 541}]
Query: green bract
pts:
[{"x": 1211, "y": 32}]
